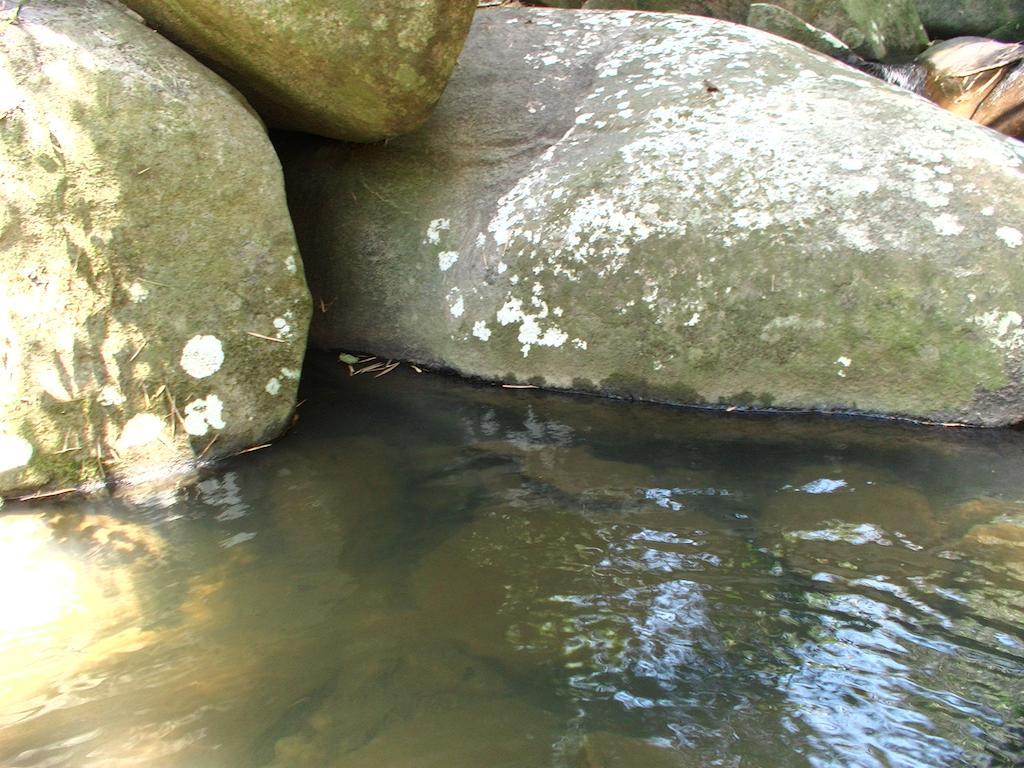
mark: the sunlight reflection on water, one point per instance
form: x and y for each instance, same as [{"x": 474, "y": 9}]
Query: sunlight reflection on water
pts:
[{"x": 428, "y": 573}]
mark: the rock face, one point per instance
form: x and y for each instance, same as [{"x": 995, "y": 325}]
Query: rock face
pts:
[
  {"x": 731, "y": 10},
  {"x": 952, "y": 18},
  {"x": 354, "y": 70},
  {"x": 152, "y": 300},
  {"x": 683, "y": 210},
  {"x": 779, "y": 21},
  {"x": 875, "y": 29}
]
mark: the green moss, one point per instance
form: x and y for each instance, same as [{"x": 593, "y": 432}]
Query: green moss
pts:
[
  {"x": 52, "y": 470},
  {"x": 745, "y": 398},
  {"x": 634, "y": 386},
  {"x": 65, "y": 470},
  {"x": 626, "y": 384}
]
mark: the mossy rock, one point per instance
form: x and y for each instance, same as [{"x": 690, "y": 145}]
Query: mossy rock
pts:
[
  {"x": 678, "y": 209},
  {"x": 152, "y": 301},
  {"x": 348, "y": 69}
]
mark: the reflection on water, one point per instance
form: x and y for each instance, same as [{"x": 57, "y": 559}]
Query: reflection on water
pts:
[{"x": 427, "y": 573}]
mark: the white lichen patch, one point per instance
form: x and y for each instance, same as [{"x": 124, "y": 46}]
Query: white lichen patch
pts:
[
  {"x": 456, "y": 303},
  {"x": 283, "y": 327},
  {"x": 857, "y": 236},
  {"x": 111, "y": 395},
  {"x": 434, "y": 230},
  {"x": 511, "y": 311},
  {"x": 1011, "y": 236},
  {"x": 139, "y": 430},
  {"x": 446, "y": 260},
  {"x": 932, "y": 195},
  {"x": 530, "y": 332},
  {"x": 137, "y": 292},
  {"x": 202, "y": 356},
  {"x": 15, "y": 452},
  {"x": 273, "y": 387},
  {"x": 202, "y": 414},
  {"x": 947, "y": 224},
  {"x": 750, "y": 218},
  {"x": 1003, "y": 328},
  {"x": 481, "y": 331},
  {"x": 290, "y": 265}
]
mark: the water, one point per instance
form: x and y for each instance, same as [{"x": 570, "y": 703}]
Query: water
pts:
[{"x": 428, "y": 573}]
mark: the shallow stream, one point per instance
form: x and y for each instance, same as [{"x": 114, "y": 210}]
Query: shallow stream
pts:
[{"x": 429, "y": 573}]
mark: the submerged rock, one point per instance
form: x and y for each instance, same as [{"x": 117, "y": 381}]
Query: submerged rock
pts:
[
  {"x": 349, "y": 70},
  {"x": 152, "y": 302},
  {"x": 61, "y": 602},
  {"x": 412, "y": 702},
  {"x": 683, "y": 210},
  {"x": 838, "y": 508},
  {"x": 999, "y": 542},
  {"x": 607, "y": 749}
]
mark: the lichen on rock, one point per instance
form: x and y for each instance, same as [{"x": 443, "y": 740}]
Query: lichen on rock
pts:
[
  {"x": 144, "y": 239},
  {"x": 678, "y": 209},
  {"x": 359, "y": 71}
]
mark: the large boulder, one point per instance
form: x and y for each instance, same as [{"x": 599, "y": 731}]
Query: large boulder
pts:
[
  {"x": 679, "y": 209},
  {"x": 152, "y": 300},
  {"x": 952, "y": 18},
  {"x": 731, "y": 10},
  {"x": 779, "y": 21},
  {"x": 875, "y": 29},
  {"x": 348, "y": 69},
  {"x": 573, "y": 4}
]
